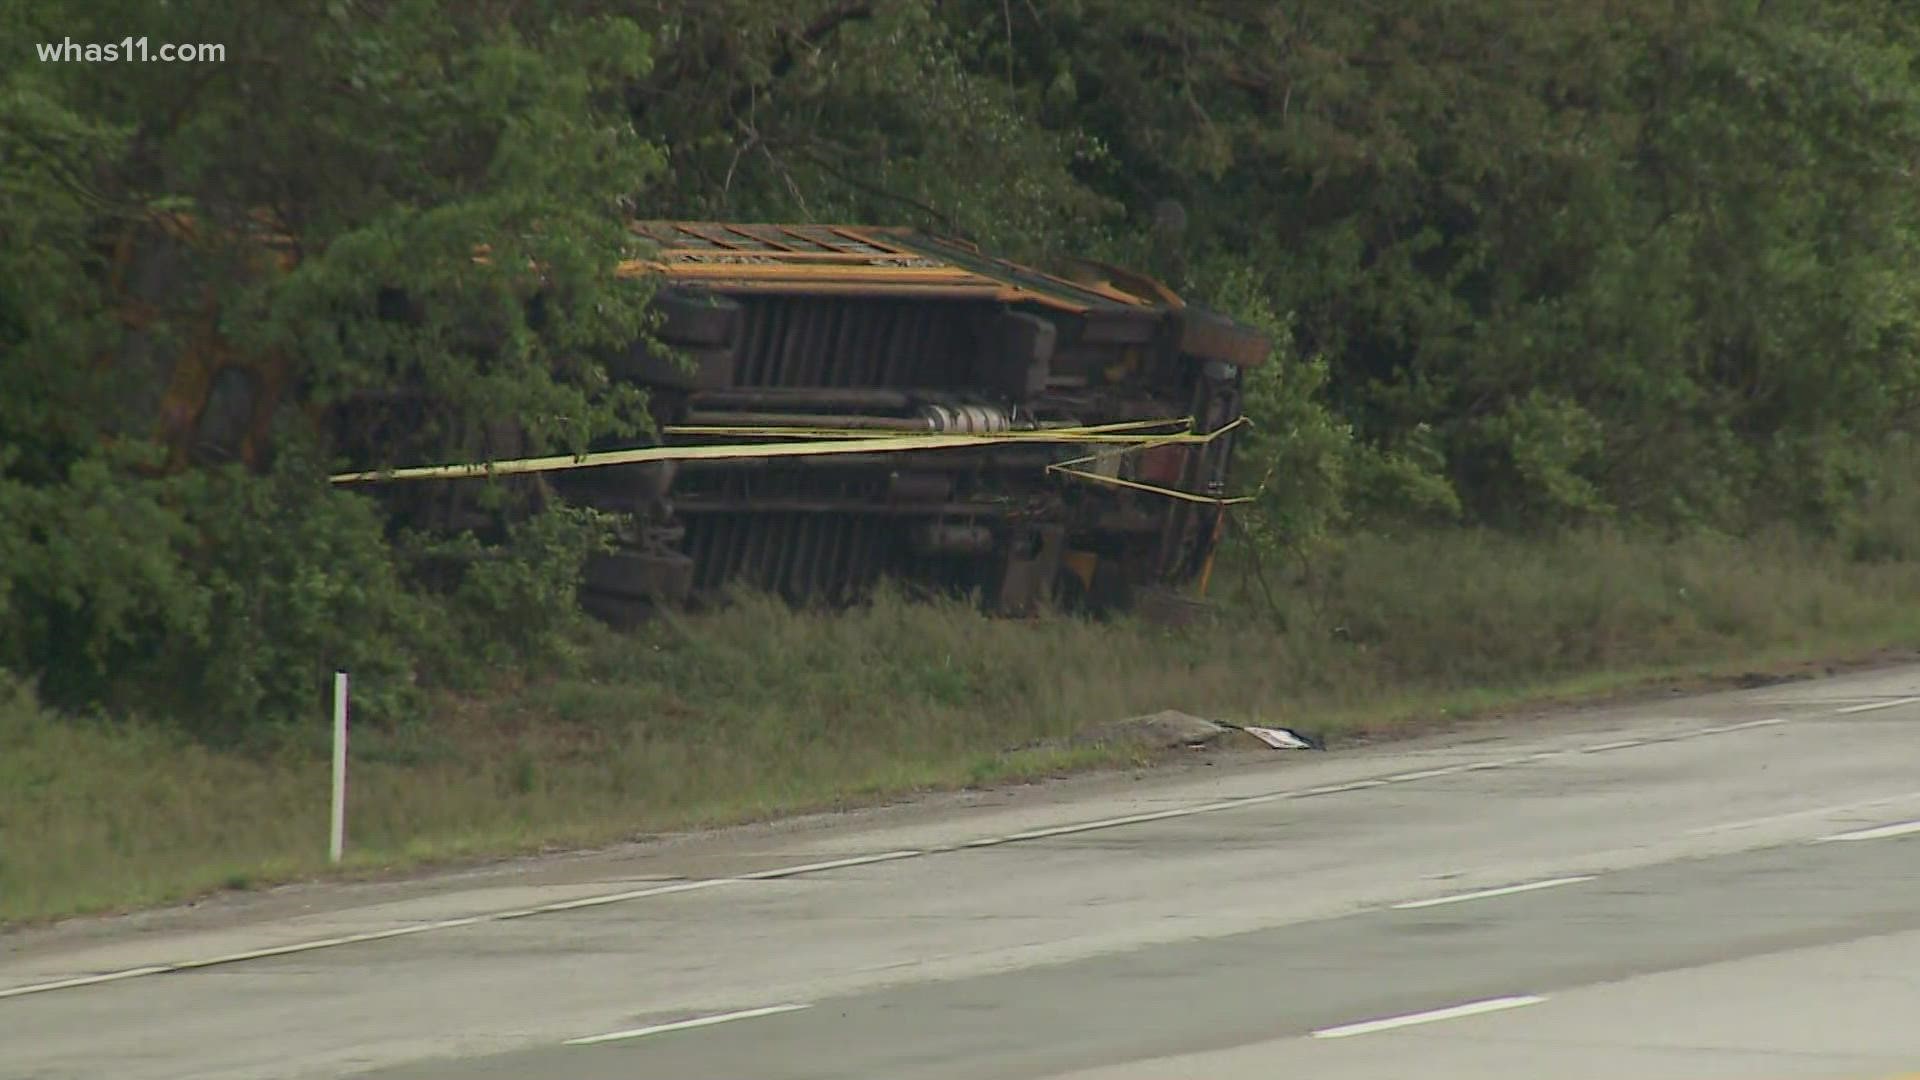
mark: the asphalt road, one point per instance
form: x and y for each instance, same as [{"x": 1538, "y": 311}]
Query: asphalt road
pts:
[{"x": 1726, "y": 886}]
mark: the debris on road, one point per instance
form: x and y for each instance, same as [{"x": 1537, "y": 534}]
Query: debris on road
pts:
[
  {"x": 1283, "y": 739},
  {"x": 1163, "y": 730},
  {"x": 1171, "y": 729}
]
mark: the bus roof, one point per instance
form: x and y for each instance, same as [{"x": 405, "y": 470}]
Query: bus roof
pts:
[{"x": 866, "y": 260}]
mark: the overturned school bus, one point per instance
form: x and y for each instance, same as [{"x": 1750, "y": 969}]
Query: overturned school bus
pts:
[
  {"x": 840, "y": 405},
  {"x": 895, "y": 335}
]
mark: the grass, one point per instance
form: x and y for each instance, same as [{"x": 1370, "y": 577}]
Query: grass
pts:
[{"x": 758, "y": 710}]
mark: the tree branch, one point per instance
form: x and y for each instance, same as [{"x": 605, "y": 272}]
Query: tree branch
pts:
[
  {"x": 808, "y": 38},
  {"x": 867, "y": 187}
]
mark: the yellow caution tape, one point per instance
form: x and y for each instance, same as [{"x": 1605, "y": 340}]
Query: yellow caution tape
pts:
[
  {"x": 641, "y": 455},
  {"x": 848, "y": 442},
  {"x": 1135, "y": 485},
  {"x": 1127, "y": 432},
  {"x": 1172, "y": 493},
  {"x": 828, "y": 441},
  {"x": 1149, "y": 444},
  {"x": 1056, "y": 435}
]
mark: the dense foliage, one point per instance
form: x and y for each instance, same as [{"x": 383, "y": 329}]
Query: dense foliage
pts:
[
  {"x": 389, "y": 141},
  {"x": 1537, "y": 264}
]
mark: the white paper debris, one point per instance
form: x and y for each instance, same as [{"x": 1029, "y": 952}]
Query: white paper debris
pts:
[{"x": 1281, "y": 738}]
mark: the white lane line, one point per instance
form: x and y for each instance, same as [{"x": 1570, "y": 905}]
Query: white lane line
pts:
[
  {"x": 84, "y": 980},
  {"x": 1882, "y": 832},
  {"x": 603, "y": 900},
  {"x": 323, "y": 943},
  {"x": 1488, "y": 894},
  {"x": 682, "y": 1025},
  {"x": 1335, "y": 789},
  {"x": 1798, "y": 815},
  {"x": 1116, "y": 822},
  {"x": 621, "y": 897},
  {"x": 1872, "y": 705},
  {"x": 409, "y": 930},
  {"x": 1456, "y": 1012},
  {"x": 1424, "y": 774},
  {"x": 1721, "y": 729},
  {"x": 833, "y": 864},
  {"x": 1679, "y": 736}
]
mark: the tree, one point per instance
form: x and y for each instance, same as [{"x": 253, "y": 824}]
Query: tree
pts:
[
  {"x": 1617, "y": 257},
  {"x": 846, "y": 110},
  {"x": 374, "y": 147}
]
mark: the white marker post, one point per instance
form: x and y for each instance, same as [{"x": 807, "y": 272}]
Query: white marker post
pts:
[{"x": 339, "y": 765}]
